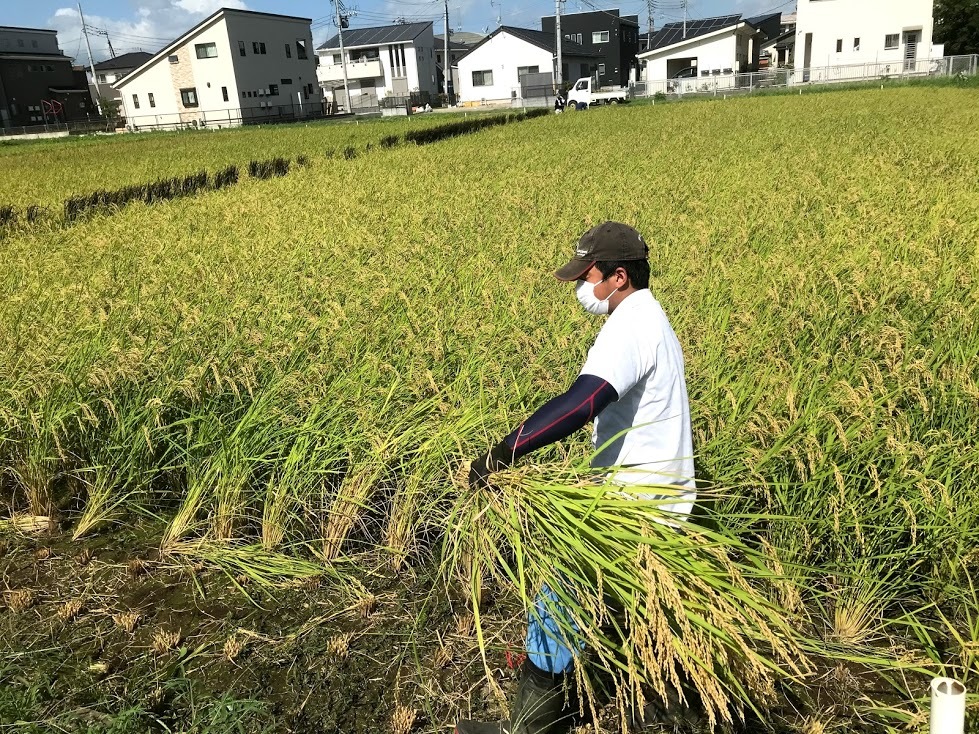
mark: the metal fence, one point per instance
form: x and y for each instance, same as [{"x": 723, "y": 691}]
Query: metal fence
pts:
[
  {"x": 263, "y": 115},
  {"x": 716, "y": 84},
  {"x": 78, "y": 127}
]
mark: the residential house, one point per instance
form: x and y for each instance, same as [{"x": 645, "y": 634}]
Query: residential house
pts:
[
  {"x": 512, "y": 64},
  {"x": 460, "y": 43},
  {"x": 110, "y": 71},
  {"x": 385, "y": 61},
  {"x": 894, "y": 33},
  {"x": 703, "y": 51},
  {"x": 607, "y": 34},
  {"x": 234, "y": 67},
  {"x": 37, "y": 81}
]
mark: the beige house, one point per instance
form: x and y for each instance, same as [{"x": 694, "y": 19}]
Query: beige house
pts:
[{"x": 234, "y": 67}]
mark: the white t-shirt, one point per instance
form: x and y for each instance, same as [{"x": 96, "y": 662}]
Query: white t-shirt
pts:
[{"x": 638, "y": 354}]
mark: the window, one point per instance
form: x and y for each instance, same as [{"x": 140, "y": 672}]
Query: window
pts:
[
  {"x": 33, "y": 44},
  {"x": 285, "y": 82},
  {"x": 300, "y": 49},
  {"x": 20, "y": 43},
  {"x": 891, "y": 40},
  {"x": 101, "y": 78},
  {"x": 337, "y": 59},
  {"x": 856, "y": 44},
  {"x": 839, "y": 45},
  {"x": 288, "y": 51},
  {"x": 483, "y": 78},
  {"x": 523, "y": 70},
  {"x": 256, "y": 47},
  {"x": 206, "y": 50},
  {"x": 173, "y": 59},
  {"x": 188, "y": 97},
  {"x": 224, "y": 93},
  {"x": 152, "y": 99},
  {"x": 397, "y": 58},
  {"x": 601, "y": 68},
  {"x": 136, "y": 101},
  {"x": 241, "y": 48},
  {"x": 261, "y": 48},
  {"x": 273, "y": 90},
  {"x": 599, "y": 37}
]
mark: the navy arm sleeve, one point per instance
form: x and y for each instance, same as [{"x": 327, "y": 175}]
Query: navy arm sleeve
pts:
[{"x": 561, "y": 416}]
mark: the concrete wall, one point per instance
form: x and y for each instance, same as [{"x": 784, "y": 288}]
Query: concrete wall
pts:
[
  {"x": 502, "y": 55},
  {"x": 869, "y": 20}
]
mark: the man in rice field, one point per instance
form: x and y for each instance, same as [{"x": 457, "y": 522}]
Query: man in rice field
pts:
[{"x": 632, "y": 386}]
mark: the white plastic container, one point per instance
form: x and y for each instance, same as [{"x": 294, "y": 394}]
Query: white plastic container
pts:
[{"x": 947, "y": 706}]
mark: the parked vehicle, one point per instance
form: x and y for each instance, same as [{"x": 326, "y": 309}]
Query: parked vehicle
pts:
[{"x": 583, "y": 95}]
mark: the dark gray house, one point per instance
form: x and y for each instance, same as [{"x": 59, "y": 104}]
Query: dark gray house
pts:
[
  {"x": 37, "y": 81},
  {"x": 606, "y": 33}
]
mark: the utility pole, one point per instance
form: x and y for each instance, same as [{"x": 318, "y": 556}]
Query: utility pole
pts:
[
  {"x": 446, "y": 66},
  {"x": 91, "y": 61},
  {"x": 684, "y": 19},
  {"x": 101, "y": 32},
  {"x": 558, "y": 71},
  {"x": 343, "y": 57},
  {"x": 649, "y": 22}
]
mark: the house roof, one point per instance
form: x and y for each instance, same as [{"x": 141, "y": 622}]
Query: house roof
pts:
[
  {"x": 22, "y": 28},
  {"x": 165, "y": 51},
  {"x": 378, "y": 36},
  {"x": 125, "y": 61},
  {"x": 540, "y": 39},
  {"x": 462, "y": 38},
  {"x": 757, "y": 20},
  {"x": 613, "y": 12},
  {"x": 672, "y": 33},
  {"x": 786, "y": 39}
]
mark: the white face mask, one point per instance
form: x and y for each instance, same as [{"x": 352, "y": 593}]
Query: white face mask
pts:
[{"x": 585, "y": 292}]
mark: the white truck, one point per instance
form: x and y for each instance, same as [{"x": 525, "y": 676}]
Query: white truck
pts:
[{"x": 583, "y": 95}]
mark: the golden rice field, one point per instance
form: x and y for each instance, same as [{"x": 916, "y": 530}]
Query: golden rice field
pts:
[
  {"x": 45, "y": 173},
  {"x": 280, "y": 385}
]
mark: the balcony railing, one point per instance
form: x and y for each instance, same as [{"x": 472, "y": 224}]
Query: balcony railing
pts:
[{"x": 355, "y": 70}]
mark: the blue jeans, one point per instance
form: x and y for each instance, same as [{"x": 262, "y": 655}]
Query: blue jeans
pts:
[{"x": 546, "y": 645}]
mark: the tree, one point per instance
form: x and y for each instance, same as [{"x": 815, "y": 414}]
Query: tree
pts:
[
  {"x": 110, "y": 107},
  {"x": 957, "y": 26}
]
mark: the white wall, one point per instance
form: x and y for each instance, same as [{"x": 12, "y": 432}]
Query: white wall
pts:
[
  {"x": 419, "y": 68},
  {"x": 870, "y": 21},
  {"x": 502, "y": 54},
  {"x": 714, "y": 52},
  {"x": 238, "y": 74},
  {"x": 255, "y": 73}
]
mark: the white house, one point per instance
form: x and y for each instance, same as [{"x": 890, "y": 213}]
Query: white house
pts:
[
  {"x": 492, "y": 71},
  {"x": 235, "y": 66},
  {"x": 395, "y": 60},
  {"x": 844, "y": 32},
  {"x": 707, "y": 51},
  {"x": 110, "y": 71}
]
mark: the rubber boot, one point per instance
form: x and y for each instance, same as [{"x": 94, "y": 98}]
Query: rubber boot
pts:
[{"x": 539, "y": 707}]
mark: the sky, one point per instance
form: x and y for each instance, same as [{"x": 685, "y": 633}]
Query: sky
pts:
[{"x": 148, "y": 25}]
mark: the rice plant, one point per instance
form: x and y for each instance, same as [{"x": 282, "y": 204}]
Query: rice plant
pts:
[{"x": 294, "y": 388}]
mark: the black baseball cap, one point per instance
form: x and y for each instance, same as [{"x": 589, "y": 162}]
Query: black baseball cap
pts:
[{"x": 606, "y": 242}]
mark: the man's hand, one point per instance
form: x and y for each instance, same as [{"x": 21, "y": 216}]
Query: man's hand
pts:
[{"x": 499, "y": 457}]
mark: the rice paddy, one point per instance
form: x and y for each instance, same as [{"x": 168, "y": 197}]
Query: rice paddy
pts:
[{"x": 267, "y": 394}]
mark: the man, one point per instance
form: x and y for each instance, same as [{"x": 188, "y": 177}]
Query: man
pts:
[{"x": 632, "y": 386}]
